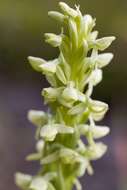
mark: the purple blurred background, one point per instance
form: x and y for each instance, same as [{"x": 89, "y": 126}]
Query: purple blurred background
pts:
[{"x": 22, "y": 24}]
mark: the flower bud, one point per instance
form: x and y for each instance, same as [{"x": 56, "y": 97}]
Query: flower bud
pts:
[
  {"x": 89, "y": 23},
  {"x": 53, "y": 39},
  {"x": 57, "y": 16},
  {"x": 38, "y": 118},
  {"x": 67, "y": 10},
  {"x": 35, "y": 62},
  {"x": 73, "y": 33}
]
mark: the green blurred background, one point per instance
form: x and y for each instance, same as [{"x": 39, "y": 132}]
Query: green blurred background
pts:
[{"x": 22, "y": 25}]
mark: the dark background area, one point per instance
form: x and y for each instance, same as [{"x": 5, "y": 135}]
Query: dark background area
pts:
[{"x": 22, "y": 24}]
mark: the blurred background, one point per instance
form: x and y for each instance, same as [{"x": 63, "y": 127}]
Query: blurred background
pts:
[{"x": 22, "y": 24}]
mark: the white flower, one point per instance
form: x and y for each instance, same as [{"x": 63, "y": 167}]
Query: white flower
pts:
[
  {"x": 49, "y": 131},
  {"x": 38, "y": 118},
  {"x": 96, "y": 151},
  {"x": 95, "y": 77},
  {"x": 70, "y": 156},
  {"x": 103, "y": 43},
  {"x": 22, "y": 180},
  {"x": 98, "y": 109},
  {"x": 51, "y": 94},
  {"x": 96, "y": 131},
  {"x": 38, "y": 183},
  {"x": 104, "y": 59}
]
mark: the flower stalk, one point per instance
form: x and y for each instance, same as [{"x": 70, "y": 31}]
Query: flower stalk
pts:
[{"x": 60, "y": 149}]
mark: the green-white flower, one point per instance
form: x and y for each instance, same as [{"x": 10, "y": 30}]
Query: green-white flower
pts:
[{"x": 63, "y": 156}]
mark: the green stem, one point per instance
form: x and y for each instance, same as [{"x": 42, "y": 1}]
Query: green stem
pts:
[{"x": 61, "y": 177}]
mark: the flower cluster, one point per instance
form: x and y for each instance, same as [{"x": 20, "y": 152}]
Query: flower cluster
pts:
[{"x": 60, "y": 148}]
